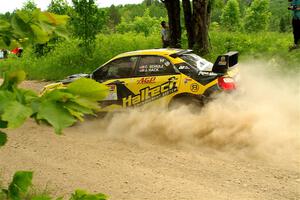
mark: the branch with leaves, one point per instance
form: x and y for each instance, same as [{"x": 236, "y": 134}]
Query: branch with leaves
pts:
[
  {"x": 32, "y": 27},
  {"x": 60, "y": 108}
]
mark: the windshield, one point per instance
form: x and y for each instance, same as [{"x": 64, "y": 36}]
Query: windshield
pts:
[{"x": 197, "y": 62}]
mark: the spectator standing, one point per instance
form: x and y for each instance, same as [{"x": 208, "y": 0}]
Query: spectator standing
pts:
[
  {"x": 295, "y": 8},
  {"x": 165, "y": 34}
]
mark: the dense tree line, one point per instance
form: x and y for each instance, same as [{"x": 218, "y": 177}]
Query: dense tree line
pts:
[{"x": 187, "y": 18}]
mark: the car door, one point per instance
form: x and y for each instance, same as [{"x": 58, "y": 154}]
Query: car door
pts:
[
  {"x": 115, "y": 74},
  {"x": 154, "y": 80}
]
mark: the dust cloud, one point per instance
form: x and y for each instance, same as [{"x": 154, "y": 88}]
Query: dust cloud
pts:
[{"x": 261, "y": 119}]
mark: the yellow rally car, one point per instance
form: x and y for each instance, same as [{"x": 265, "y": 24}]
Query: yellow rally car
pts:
[{"x": 161, "y": 77}]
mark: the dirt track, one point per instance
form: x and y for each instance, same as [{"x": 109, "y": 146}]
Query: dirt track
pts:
[{"x": 168, "y": 158}]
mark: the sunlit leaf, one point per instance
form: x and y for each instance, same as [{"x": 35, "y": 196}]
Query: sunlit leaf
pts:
[
  {"x": 75, "y": 106},
  {"x": 61, "y": 31},
  {"x": 4, "y": 25},
  {"x": 12, "y": 79},
  {"x": 20, "y": 28},
  {"x": 15, "y": 114},
  {"x": 76, "y": 114},
  {"x": 5, "y": 98},
  {"x": 54, "y": 19},
  {"x": 40, "y": 35},
  {"x": 58, "y": 95},
  {"x": 88, "y": 88},
  {"x": 25, "y": 16},
  {"x": 56, "y": 115}
]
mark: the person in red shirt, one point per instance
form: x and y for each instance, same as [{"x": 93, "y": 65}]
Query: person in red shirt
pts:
[{"x": 17, "y": 51}]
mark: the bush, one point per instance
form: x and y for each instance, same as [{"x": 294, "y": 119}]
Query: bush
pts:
[
  {"x": 257, "y": 16},
  {"x": 264, "y": 45},
  {"x": 68, "y": 58},
  {"x": 231, "y": 16}
]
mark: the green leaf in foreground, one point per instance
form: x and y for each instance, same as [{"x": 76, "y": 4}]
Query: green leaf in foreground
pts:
[
  {"x": 88, "y": 88},
  {"x": 20, "y": 184},
  {"x": 16, "y": 114},
  {"x": 83, "y": 195},
  {"x": 55, "y": 114},
  {"x": 12, "y": 80},
  {"x": 3, "y": 138},
  {"x": 3, "y": 124}
]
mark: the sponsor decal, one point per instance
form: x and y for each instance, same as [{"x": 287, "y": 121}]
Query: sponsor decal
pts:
[
  {"x": 151, "y": 68},
  {"x": 186, "y": 80},
  {"x": 148, "y": 94},
  {"x": 146, "y": 80},
  {"x": 111, "y": 87},
  {"x": 112, "y": 94},
  {"x": 183, "y": 67},
  {"x": 207, "y": 73},
  {"x": 194, "y": 87}
]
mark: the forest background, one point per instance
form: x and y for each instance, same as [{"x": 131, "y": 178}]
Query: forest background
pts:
[{"x": 257, "y": 29}]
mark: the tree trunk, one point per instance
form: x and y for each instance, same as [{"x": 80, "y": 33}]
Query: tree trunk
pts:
[
  {"x": 173, "y": 8},
  {"x": 201, "y": 21},
  {"x": 188, "y": 20}
]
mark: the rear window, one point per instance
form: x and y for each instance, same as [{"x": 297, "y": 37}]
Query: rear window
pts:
[{"x": 197, "y": 62}]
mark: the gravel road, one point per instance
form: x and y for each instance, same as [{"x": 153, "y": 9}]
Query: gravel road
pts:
[{"x": 244, "y": 146}]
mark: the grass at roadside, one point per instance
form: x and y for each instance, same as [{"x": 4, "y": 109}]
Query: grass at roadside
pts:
[{"x": 68, "y": 59}]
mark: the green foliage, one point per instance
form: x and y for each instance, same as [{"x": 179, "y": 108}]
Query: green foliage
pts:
[
  {"x": 60, "y": 107},
  {"x": 29, "y": 5},
  {"x": 257, "y": 16},
  {"x": 15, "y": 114},
  {"x": 19, "y": 185},
  {"x": 83, "y": 195},
  {"x": 19, "y": 189},
  {"x": 3, "y": 137},
  {"x": 114, "y": 15},
  {"x": 60, "y": 7},
  {"x": 283, "y": 24},
  {"x": 261, "y": 45},
  {"x": 280, "y": 16},
  {"x": 87, "y": 22},
  {"x": 129, "y": 12},
  {"x": 144, "y": 24},
  {"x": 67, "y": 58},
  {"x": 217, "y": 10},
  {"x": 231, "y": 16},
  {"x": 32, "y": 27}
]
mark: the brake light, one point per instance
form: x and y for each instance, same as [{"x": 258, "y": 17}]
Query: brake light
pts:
[{"x": 226, "y": 83}]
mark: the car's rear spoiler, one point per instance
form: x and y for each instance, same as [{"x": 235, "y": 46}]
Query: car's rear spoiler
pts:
[{"x": 225, "y": 61}]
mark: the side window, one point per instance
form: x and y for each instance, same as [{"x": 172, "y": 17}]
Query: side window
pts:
[
  {"x": 154, "y": 65},
  {"x": 120, "y": 68},
  {"x": 186, "y": 69}
]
